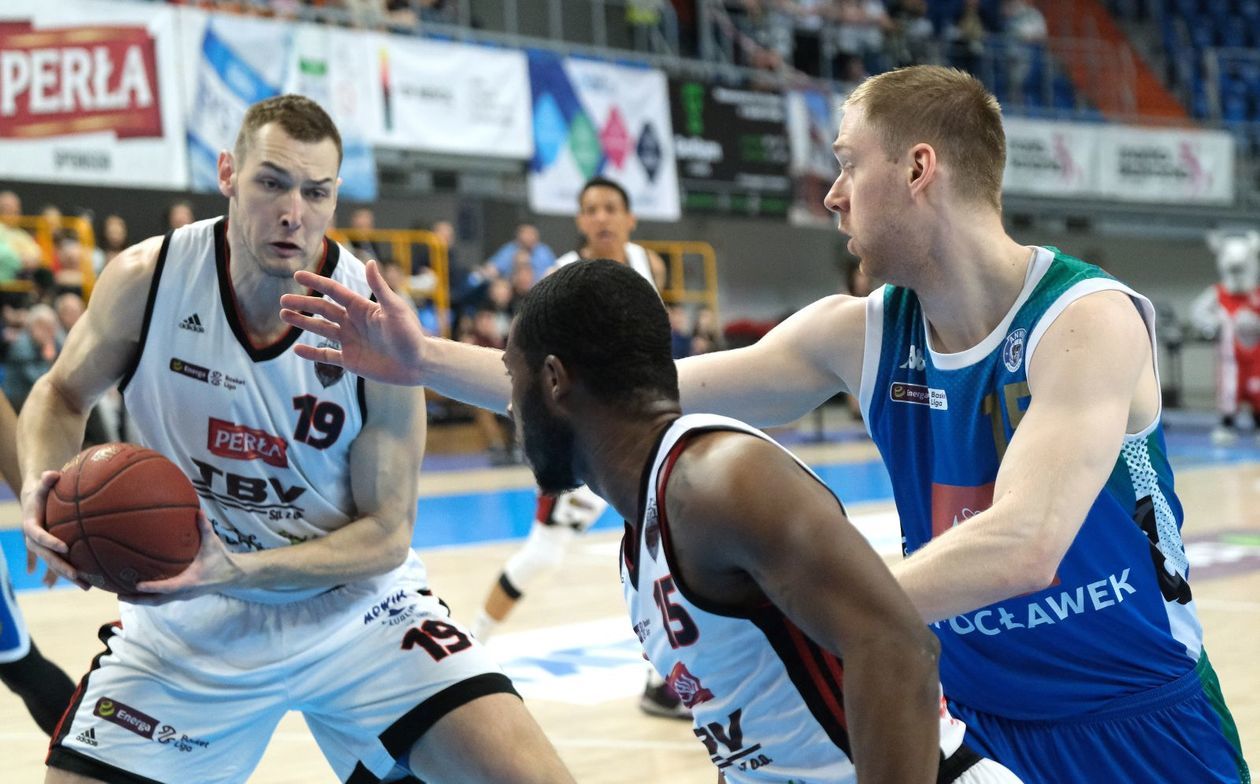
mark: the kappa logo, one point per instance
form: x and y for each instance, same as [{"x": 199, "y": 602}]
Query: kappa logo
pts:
[
  {"x": 915, "y": 360},
  {"x": 192, "y": 324},
  {"x": 687, "y": 686},
  {"x": 1013, "y": 351},
  {"x": 87, "y": 737}
]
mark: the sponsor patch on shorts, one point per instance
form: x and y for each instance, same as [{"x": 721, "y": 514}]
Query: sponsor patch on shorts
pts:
[{"x": 125, "y": 716}]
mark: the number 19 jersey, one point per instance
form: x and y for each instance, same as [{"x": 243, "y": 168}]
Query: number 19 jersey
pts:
[{"x": 263, "y": 434}]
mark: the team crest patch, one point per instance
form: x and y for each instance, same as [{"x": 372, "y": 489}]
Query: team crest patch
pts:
[
  {"x": 1013, "y": 351},
  {"x": 687, "y": 686},
  {"x": 326, "y": 373},
  {"x": 652, "y": 530}
]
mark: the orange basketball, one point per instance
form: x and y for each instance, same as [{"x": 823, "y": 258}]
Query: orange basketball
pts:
[{"x": 127, "y": 514}]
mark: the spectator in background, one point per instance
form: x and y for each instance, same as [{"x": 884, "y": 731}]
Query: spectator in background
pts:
[
  {"x": 179, "y": 214},
  {"x": 966, "y": 36},
  {"x": 860, "y": 35},
  {"x": 10, "y": 208},
  {"x": 679, "y": 331},
  {"x": 69, "y": 307},
  {"x": 707, "y": 335},
  {"x": 1026, "y": 31},
  {"x": 31, "y": 354},
  {"x": 499, "y": 299},
  {"x": 113, "y": 242},
  {"x": 911, "y": 39},
  {"x": 522, "y": 280},
  {"x": 364, "y": 219},
  {"x": 53, "y": 218},
  {"x": 528, "y": 240},
  {"x": 68, "y": 258}
]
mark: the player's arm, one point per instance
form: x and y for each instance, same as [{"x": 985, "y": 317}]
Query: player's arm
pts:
[
  {"x": 798, "y": 365},
  {"x": 743, "y": 512},
  {"x": 383, "y": 341},
  {"x": 384, "y": 479},
  {"x": 1083, "y": 378},
  {"x": 96, "y": 354},
  {"x": 8, "y": 446}
]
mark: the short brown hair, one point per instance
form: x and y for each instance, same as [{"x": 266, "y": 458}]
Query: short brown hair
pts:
[
  {"x": 299, "y": 116},
  {"x": 946, "y": 108}
]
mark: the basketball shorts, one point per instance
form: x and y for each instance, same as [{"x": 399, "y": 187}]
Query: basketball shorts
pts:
[
  {"x": 15, "y": 641},
  {"x": 577, "y": 509},
  {"x": 1180, "y": 732},
  {"x": 192, "y": 691}
]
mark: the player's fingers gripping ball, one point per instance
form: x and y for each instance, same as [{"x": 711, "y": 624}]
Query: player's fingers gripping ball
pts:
[{"x": 127, "y": 514}]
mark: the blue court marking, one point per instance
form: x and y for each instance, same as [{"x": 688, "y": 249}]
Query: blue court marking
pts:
[{"x": 498, "y": 515}]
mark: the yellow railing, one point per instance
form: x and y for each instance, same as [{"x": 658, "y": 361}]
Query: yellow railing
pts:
[
  {"x": 402, "y": 243},
  {"x": 39, "y": 228},
  {"x": 680, "y": 282}
]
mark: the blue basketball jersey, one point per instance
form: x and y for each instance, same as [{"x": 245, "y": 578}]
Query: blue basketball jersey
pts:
[{"x": 1119, "y": 618}]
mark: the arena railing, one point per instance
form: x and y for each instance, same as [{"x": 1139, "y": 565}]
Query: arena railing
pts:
[
  {"x": 44, "y": 233},
  {"x": 686, "y": 262},
  {"x": 402, "y": 244}
]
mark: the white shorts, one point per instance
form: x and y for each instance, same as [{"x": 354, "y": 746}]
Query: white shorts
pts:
[
  {"x": 192, "y": 691},
  {"x": 15, "y": 641},
  {"x": 987, "y": 771}
]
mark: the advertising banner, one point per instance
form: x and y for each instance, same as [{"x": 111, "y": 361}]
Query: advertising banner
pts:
[
  {"x": 732, "y": 148},
  {"x": 598, "y": 118},
  {"x": 454, "y": 98},
  {"x": 239, "y": 61},
  {"x": 1051, "y": 158},
  {"x": 1182, "y": 166},
  {"x": 87, "y": 94}
]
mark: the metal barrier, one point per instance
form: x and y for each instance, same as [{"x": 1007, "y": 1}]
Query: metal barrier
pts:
[
  {"x": 676, "y": 254},
  {"x": 43, "y": 232},
  {"x": 401, "y": 243}
]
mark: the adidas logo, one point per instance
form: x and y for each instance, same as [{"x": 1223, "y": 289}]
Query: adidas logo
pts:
[
  {"x": 88, "y": 736},
  {"x": 192, "y": 324}
]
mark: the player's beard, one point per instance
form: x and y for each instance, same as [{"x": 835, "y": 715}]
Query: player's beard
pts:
[{"x": 548, "y": 444}]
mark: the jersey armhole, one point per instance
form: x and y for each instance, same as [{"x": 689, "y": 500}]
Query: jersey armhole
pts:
[
  {"x": 1145, "y": 310},
  {"x": 870, "y": 353},
  {"x": 149, "y": 305}
]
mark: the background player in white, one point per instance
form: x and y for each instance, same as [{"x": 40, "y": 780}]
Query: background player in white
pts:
[
  {"x": 41, "y": 685},
  {"x": 305, "y": 594},
  {"x": 606, "y": 222},
  {"x": 921, "y": 154}
]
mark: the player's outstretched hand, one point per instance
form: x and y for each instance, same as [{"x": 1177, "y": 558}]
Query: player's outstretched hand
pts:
[
  {"x": 212, "y": 570},
  {"x": 40, "y": 543},
  {"x": 379, "y": 340}
]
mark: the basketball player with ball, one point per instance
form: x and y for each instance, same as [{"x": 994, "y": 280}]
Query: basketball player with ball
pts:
[{"x": 304, "y": 593}]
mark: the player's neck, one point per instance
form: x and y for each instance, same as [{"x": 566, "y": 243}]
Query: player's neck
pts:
[
  {"x": 257, "y": 295},
  {"x": 616, "y": 253},
  {"x": 613, "y": 454},
  {"x": 974, "y": 276}
]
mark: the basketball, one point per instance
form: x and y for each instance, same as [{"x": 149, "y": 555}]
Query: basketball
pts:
[{"x": 127, "y": 514}]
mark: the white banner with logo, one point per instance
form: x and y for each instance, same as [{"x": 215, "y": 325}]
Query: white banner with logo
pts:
[
  {"x": 237, "y": 61},
  {"x": 1051, "y": 158},
  {"x": 813, "y": 122},
  {"x": 1179, "y": 166},
  {"x": 594, "y": 118},
  {"x": 88, "y": 94},
  {"x": 453, "y": 98},
  {"x": 1118, "y": 162}
]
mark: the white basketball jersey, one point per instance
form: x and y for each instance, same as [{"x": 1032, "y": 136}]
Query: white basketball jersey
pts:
[
  {"x": 636, "y": 257},
  {"x": 263, "y": 434},
  {"x": 767, "y": 701}
]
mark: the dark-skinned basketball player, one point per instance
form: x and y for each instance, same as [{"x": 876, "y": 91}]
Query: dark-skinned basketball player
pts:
[{"x": 308, "y": 478}]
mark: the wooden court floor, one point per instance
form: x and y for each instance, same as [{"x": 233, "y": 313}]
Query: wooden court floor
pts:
[{"x": 609, "y": 741}]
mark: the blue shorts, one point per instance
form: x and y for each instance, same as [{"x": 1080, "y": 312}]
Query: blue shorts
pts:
[
  {"x": 1181, "y": 732},
  {"x": 15, "y": 642}
]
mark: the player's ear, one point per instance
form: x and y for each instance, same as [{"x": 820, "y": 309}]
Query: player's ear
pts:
[
  {"x": 227, "y": 174},
  {"x": 556, "y": 380},
  {"x": 922, "y": 168}
]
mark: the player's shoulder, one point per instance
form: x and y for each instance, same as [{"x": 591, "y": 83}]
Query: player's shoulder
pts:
[
  {"x": 132, "y": 268},
  {"x": 717, "y": 467}
]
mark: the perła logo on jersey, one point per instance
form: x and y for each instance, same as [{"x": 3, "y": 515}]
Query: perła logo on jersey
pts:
[{"x": 238, "y": 442}]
